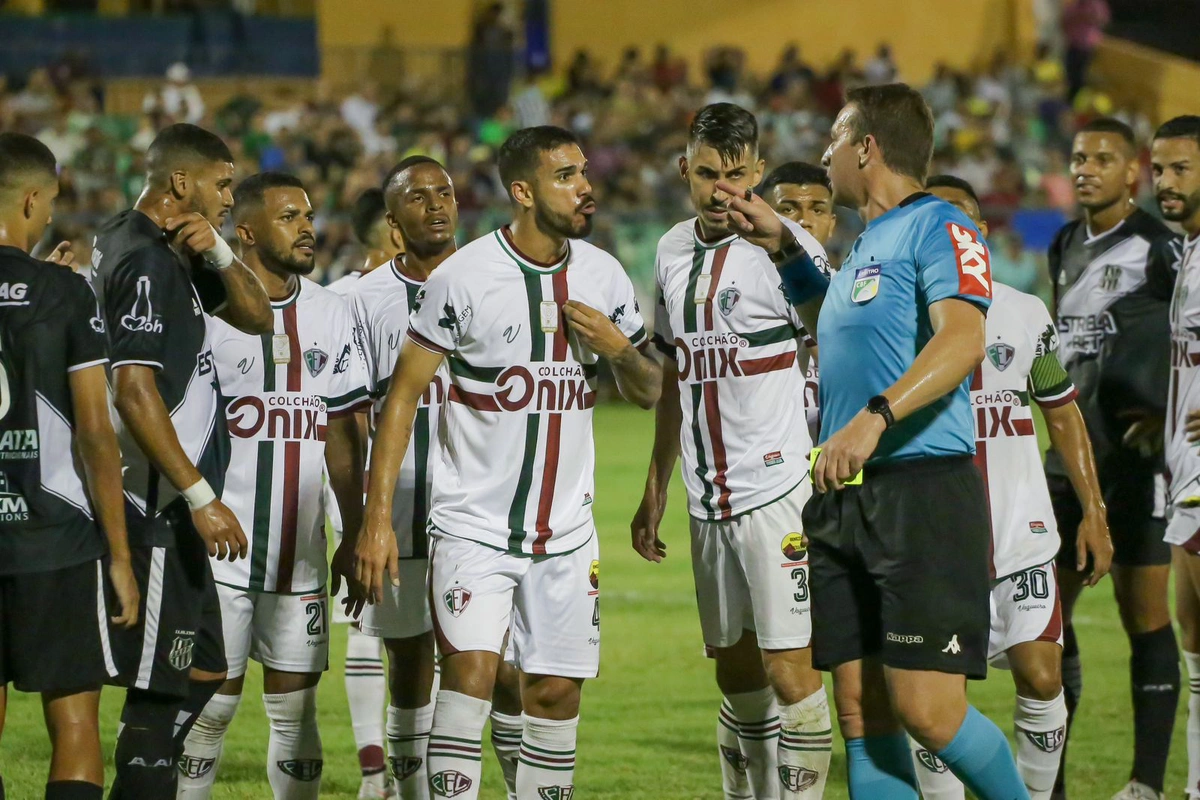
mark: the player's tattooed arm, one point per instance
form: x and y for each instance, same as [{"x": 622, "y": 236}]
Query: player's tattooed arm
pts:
[
  {"x": 1068, "y": 435},
  {"x": 96, "y": 443},
  {"x": 344, "y": 466},
  {"x": 142, "y": 410},
  {"x": 246, "y": 306},
  {"x": 668, "y": 418},
  {"x": 375, "y": 550},
  {"x": 639, "y": 377}
]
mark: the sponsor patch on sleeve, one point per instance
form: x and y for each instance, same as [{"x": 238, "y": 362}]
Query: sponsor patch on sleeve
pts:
[{"x": 974, "y": 263}]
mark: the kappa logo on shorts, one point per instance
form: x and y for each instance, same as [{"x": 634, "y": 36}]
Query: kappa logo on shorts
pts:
[
  {"x": 727, "y": 299},
  {"x": 1037, "y": 526},
  {"x": 316, "y": 359},
  {"x": 180, "y": 656},
  {"x": 931, "y": 762},
  {"x": 457, "y": 600},
  {"x": 556, "y": 792},
  {"x": 734, "y": 758},
  {"x": 192, "y": 767},
  {"x": 793, "y": 546},
  {"x": 405, "y": 766},
  {"x": 953, "y": 648},
  {"x": 450, "y": 783},
  {"x": 866, "y": 285},
  {"x": 905, "y": 638},
  {"x": 797, "y": 779},
  {"x": 974, "y": 263},
  {"x": 1000, "y": 354},
  {"x": 594, "y": 574},
  {"x": 302, "y": 769},
  {"x": 1048, "y": 741}
]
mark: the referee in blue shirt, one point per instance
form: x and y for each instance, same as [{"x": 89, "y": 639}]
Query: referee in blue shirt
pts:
[{"x": 899, "y": 562}]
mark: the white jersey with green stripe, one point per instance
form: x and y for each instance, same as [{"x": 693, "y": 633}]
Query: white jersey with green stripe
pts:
[
  {"x": 1183, "y": 457},
  {"x": 279, "y": 391},
  {"x": 382, "y": 302},
  {"x": 722, "y": 317},
  {"x": 1021, "y": 362},
  {"x": 516, "y": 448}
]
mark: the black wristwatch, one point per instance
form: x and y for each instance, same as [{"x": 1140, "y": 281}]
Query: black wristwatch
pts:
[
  {"x": 879, "y": 405},
  {"x": 790, "y": 249}
]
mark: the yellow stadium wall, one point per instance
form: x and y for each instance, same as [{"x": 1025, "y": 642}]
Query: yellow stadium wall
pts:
[{"x": 1158, "y": 84}]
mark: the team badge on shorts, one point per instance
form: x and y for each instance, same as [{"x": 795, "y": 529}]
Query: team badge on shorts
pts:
[
  {"x": 1000, "y": 354},
  {"x": 594, "y": 574},
  {"x": 734, "y": 758},
  {"x": 793, "y": 546},
  {"x": 180, "y": 656},
  {"x": 727, "y": 299},
  {"x": 866, "y": 285},
  {"x": 316, "y": 360},
  {"x": 797, "y": 779},
  {"x": 450, "y": 783},
  {"x": 457, "y": 600},
  {"x": 556, "y": 792},
  {"x": 405, "y": 766}
]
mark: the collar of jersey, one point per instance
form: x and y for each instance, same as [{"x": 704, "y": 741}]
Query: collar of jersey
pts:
[
  {"x": 396, "y": 262},
  {"x": 526, "y": 263},
  {"x": 287, "y": 301},
  {"x": 908, "y": 202},
  {"x": 709, "y": 245}
]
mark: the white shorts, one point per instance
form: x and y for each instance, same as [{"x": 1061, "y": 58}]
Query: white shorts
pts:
[
  {"x": 404, "y": 612},
  {"x": 551, "y": 603},
  {"x": 286, "y": 632},
  {"x": 1026, "y": 607},
  {"x": 751, "y": 573},
  {"x": 1183, "y": 528}
]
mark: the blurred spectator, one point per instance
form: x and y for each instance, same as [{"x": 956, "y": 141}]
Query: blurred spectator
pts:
[
  {"x": 668, "y": 71},
  {"x": 61, "y": 140},
  {"x": 529, "y": 103},
  {"x": 791, "y": 71},
  {"x": 489, "y": 62},
  {"x": 1012, "y": 263},
  {"x": 179, "y": 98},
  {"x": 881, "y": 68},
  {"x": 1083, "y": 23}
]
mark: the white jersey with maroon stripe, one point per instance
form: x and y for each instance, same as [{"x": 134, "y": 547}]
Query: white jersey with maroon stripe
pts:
[
  {"x": 1183, "y": 457},
  {"x": 517, "y": 455},
  {"x": 279, "y": 391},
  {"x": 1024, "y": 530},
  {"x": 382, "y": 303},
  {"x": 734, "y": 337}
]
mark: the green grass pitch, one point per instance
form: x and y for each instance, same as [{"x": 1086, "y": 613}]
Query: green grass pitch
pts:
[{"x": 648, "y": 722}]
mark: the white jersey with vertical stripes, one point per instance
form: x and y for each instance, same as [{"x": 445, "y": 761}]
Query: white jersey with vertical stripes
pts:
[
  {"x": 279, "y": 391},
  {"x": 516, "y": 448},
  {"x": 1024, "y": 530},
  {"x": 722, "y": 317},
  {"x": 1183, "y": 457},
  {"x": 382, "y": 302}
]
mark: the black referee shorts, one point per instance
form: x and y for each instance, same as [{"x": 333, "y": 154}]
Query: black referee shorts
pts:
[
  {"x": 179, "y": 626},
  {"x": 1129, "y": 493},
  {"x": 899, "y": 568}
]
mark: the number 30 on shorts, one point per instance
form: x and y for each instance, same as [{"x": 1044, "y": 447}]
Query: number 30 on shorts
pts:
[{"x": 1031, "y": 583}]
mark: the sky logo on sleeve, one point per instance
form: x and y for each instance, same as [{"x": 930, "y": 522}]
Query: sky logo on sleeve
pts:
[{"x": 974, "y": 263}]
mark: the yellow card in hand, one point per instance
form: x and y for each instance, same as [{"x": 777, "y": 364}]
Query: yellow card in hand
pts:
[{"x": 812, "y": 465}]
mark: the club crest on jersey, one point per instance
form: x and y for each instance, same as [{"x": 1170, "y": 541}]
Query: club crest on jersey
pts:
[
  {"x": 1048, "y": 741},
  {"x": 793, "y": 546},
  {"x": 728, "y": 298},
  {"x": 734, "y": 758},
  {"x": 192, "y": 767},
  {"x": 866, "y": 285},
  {"x": 931, "y": 762},
  {"x": 405, "y": 766},
  {"x": 457, "y": 600},
  {"x": 302, "y": 769},
  {"x": 974, "y": 263},
  {"x": 180, "y": 656},
  {"x": 1000, "y": 354},
  {"x": 316, "y": 360},
  {"x": 1111, "y": 278},
  {"x": 556, "y": 792},
  {"x": 450, "y": 783},
  {"x": 594, "y": 574},
  {"x": 1037, "y": 526},
  {"x": 797, "y": 779}
]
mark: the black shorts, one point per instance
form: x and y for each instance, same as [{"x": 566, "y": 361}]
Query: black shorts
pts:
[
  {"x": 54, "y": 629},
  {"x": 1137, "y": 534},
  {"x": 179, "y": 626},
  {"x": 899, "y": 568}
]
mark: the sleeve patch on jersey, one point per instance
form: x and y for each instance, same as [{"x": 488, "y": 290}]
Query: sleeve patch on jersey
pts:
[{"x": 974, "y": 263}]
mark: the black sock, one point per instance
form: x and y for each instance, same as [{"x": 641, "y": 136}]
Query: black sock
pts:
[
  {"x": 1072, "y": 675},
  {"x": 145, "y": 756},
  {"x": 199, "y": 693},
  {"x": 1154, "y": 674},
  {"x": 73, "y": 790}
]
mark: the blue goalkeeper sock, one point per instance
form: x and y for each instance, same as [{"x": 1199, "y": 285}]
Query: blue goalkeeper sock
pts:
[
  {"x": 881, "y": 768},
  {"x": 979, "y": 755}
]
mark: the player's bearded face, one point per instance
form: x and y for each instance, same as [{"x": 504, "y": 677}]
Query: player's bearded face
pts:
[
  {"x": 702, "y": 167},
  {"x": 1102, "y": 170},
  {"x": 289, "y": 238},
  {"x": 1176, "y": 166},
  {"x": 562, "y": 198},
  {"x": 211, "y": 192}
]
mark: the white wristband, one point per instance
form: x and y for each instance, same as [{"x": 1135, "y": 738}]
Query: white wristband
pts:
[
  {"x": 198, "y": 495},
  {"x": 221, "y": 256}
]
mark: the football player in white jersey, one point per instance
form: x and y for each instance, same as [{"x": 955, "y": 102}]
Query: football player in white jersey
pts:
[
  {"x": 733, "y": 404},
  {"x": 292, "y": 396},
  {"x": 1175, "y": 160},
  {"x": 368, "y": 219},
  {"x": 1027, "y": 625},
  {"x": 522, "y": 316}
]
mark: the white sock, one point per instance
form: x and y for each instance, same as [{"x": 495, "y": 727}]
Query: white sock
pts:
[
  {"x": 758, "y": 734},
  {"x": 407, "y": 742},
  {"x": 202, "y": 748},
  {"x": 805, "y": 746},
  {"x": 936, "y": 780},
  {"x": 455, "y": 757},
  {"x": 294, "y": 759},
  {"x": 547, "y": 760},
  {"x": 1041, "y": 728},
  {"x": 734, "y": 783},
  {"x": 366, "y": 691},
  {"x": 1192, "y": 660},
  {"x": 507, "y": 730}
]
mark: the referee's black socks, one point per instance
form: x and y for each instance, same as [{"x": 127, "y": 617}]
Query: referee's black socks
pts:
[
  {"x": 1154, "y": 675},
  {"x": 73, "y": 790}
]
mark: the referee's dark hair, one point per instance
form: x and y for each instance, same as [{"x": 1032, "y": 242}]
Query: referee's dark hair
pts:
[
  {"x": 521, "y": 152},
  {"x": 1113, "y": 126},
  {"x": 727, "y": 128},
  {"x": 182, "y": 145},
  {"x": 368, "y": 210},
  {"x": 405, "y": 165},
  {"x": 23, "y": 159},
  {"x": 1185, "y": 127},
  {"x": 248, "y": 197},
  {"x": 798, "y": 173},
  {"x": 899, "y": 119}
]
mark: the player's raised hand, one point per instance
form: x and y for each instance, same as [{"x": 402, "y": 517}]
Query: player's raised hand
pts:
[
  {"x": 1093, "y": 538},
  {"x": 644, "y": 528},
  {"x": 62, "y": 255},
  {"x": 1145, "y": 435},
  {"x": 120, "y": 572},
  {"x": 376, "y": 554},
  {"x": 193, "y": 233},
  {"x": 221, "y": 531},
  {"x": 751, "y": 218},
  {"x": 343, "y": 567},
  {"x": 845, "y": 453},
  {"x": 596, "y": 330}
]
